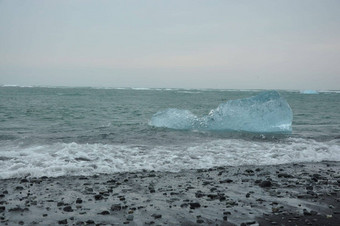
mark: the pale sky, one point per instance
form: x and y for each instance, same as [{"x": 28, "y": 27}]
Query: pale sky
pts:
[{"x": 281, "y": 44}]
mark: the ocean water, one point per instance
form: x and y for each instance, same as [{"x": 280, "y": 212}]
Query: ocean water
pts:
[{"x": 86, "y": 131}]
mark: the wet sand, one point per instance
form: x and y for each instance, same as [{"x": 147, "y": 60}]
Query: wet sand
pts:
[{"x": 290, "y": 194}]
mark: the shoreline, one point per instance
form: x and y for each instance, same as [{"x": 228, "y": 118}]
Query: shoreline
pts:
[{"x": 289, "y": 194}]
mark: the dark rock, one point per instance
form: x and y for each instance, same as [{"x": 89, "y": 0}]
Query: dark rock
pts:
[
  {"x": 315, "y": 179},
  {"x": 2, "y": 209},
  {"x": 19, "y": 188},
  {"x": 116, "y": 207},
  {"x": 199, "y": 221},
  {"x": 309, "y": 188},
  {"x": 265, "y": 184},
  {"x": 60, "y": 203},
  {"x": 311, "y": 213},
  {"x": 62, "y": 221},
  {"x": 206, "y": 182},
  {"x": 78, "y": 201},
  {"x": 156, "y": 216},
  {"x": 184, "y": 205},
  {"x": 82, "y": 159},
  {"x": 249, "y": 171},
  {"x": 68, "y": 209},
  {"x": 18, "y": 209},
  {"x": 285, "y": 175},
  {"x": 105, "y": 212},
  {"x": 194, "y": 205},
  {"x": 226, "y": 181},
  {"x": 24, "y": 180},
  {"x": 90, "y": 222},
  {"x": 98, "y": 197},
  {"x": 199, "y": 194}
]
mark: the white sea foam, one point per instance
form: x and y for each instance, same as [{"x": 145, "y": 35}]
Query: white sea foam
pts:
[{"x": 88, "y": 159}]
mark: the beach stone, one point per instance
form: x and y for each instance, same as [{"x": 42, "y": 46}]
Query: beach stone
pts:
[
  {"x": 62, "y": 221},
  {"x": 194, "y": 205},
  {"x": 2, "y": 209},
  {"x": 285, "y": 175},
  {"x": 105, "y": 212},
  {"x": 226, "y": 181},
  {"x": 199, "y": 221},
  {"x": 265, "y": 184},
  {"x": 24, "y": 180},
  {"x": 199, "y": 194},
  {"x": 309, "y": 188},
  {"x": 68, "y": 209},
  {"x": 60, "y": 203},
  {"x": 249, "y": 171},
  {"x": 116, "y": 207},
  {"x": 98, "y": 197},
  {"x": 156, "y": 216},
  {"x": 90, "y": 222},
  {"x": 79, "y": 200},
  {"x": 184, "y": 205},
  {"x": 18, "y": 209}
]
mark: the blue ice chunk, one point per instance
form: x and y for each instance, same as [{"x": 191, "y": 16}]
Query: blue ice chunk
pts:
[
  {"x": 267, "y": 112},
  {"x": 309, "y": 92},
  {"x": 174, "y": 118}
]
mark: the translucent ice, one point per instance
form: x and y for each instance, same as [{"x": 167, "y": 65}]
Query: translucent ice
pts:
[
  {"x": 175, "y": 119},
  {"x": 267, "y": 112},
  {"x": 309, "y": 92}
]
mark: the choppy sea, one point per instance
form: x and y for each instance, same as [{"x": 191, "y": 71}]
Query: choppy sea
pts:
[{"x": 55, "y": 131}]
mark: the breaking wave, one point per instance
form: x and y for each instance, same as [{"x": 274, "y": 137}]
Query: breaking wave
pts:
[{"x": 88, "y": 159}]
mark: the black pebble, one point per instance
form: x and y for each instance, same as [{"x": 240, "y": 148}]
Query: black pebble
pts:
[
  {"x": 105, "y": 212},
  {"x": 265, "y": 184},
  {"x": 156, "y": 216},
  {"x": 194, "y": 205},
  {"x": 116, "y": 207},
  {"x": 98, "y": 197},
  {"x": 68, "y": 209},
  {"x": 62, "y": 221},
  {"x": 226, "y": 181}
]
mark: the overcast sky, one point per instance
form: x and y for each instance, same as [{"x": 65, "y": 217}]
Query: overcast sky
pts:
[{"x": 183, "y": 44}]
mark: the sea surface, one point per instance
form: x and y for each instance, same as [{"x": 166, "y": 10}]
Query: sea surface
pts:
[{"x": 55, "y": 131}]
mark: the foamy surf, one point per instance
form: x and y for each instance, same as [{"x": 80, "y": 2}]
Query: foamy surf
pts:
[{"x": 61, "y": 159}]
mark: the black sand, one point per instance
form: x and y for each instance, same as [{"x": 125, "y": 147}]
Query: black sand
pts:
[{"x": 291, "y": 194}]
